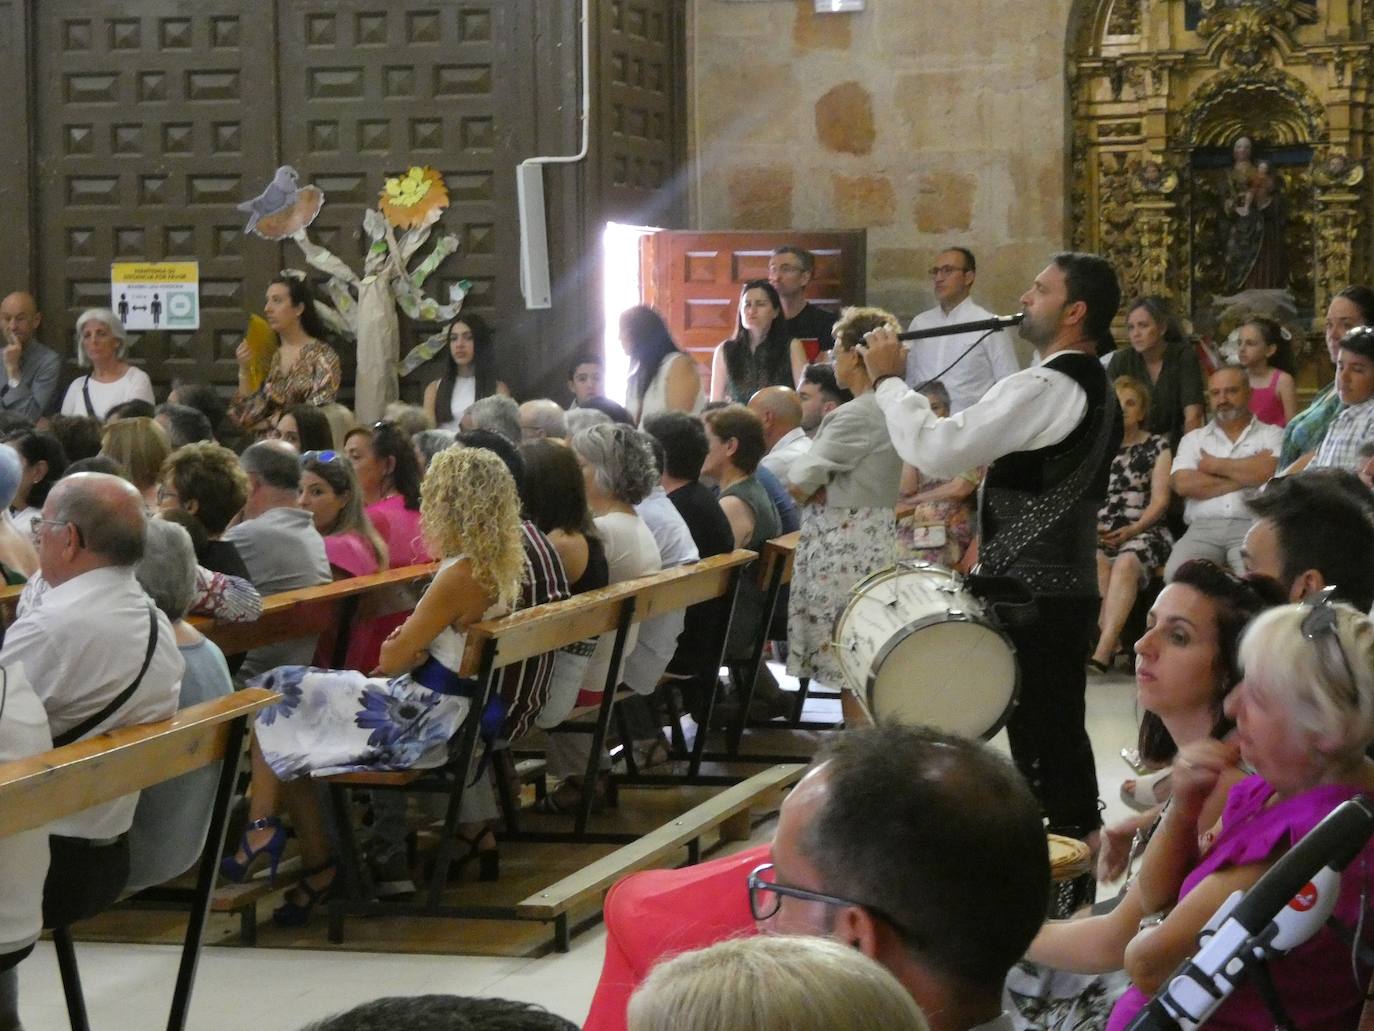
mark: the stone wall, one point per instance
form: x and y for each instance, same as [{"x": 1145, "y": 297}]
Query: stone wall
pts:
[{"x": 929, "y": 124}]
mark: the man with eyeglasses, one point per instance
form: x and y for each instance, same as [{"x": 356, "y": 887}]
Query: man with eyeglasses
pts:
[
  {"x": 790, "y": 270},
  {"x": 952, "y": 276},
  {"x": 99, "y": 655},
  {"x": 920, "y": 849}
]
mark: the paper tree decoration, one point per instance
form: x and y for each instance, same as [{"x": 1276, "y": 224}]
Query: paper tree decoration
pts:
[{"x": 365, "y": 306}]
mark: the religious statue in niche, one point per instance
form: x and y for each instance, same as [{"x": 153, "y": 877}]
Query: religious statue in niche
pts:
[{"x": 1254, "y": 210}]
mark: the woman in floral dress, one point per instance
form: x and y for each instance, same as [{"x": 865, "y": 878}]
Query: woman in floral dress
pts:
[
  {"x": 304, "y": 369},
  {"x": 1133, "y": 540},
  {"x": 341, "y": 721},
  {"x": 849, "y": 481}
]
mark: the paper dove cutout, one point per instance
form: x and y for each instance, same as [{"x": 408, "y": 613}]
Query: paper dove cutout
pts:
[{"x": 283, "y": 207}]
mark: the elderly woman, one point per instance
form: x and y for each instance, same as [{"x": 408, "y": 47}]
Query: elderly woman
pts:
[
  {"x": 849, "y": 481},
  {"x": 101, "y": 346},
  {"x": 304, "y": 369},
  {"x": 18, "y": 557},
  {"x": 172, "y": 818},
  {"x": 1187, "y": 663},
  {"x": 774, "y": 983},
  {"x": 761, "y": 353},
  {"x": 469, "y": 372},
  {"x": 940, "y": 524},
  {"x": 1352, "y": 307},
  {"x": 140, "y": 447},
  {"x": 618, "y": 472},
  {"x": 339, "y": 721},
  {"x": 1131, "y": 535},
  {"x": 1304, "y": 717}
]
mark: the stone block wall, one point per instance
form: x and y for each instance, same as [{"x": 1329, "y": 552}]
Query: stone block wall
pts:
[{"x": 927, "y": 123}]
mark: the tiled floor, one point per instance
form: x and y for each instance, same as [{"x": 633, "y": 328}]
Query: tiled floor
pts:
[{"x": 130, "y": 986}]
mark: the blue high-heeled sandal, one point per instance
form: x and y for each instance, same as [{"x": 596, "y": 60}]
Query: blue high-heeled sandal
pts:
[
  {"x": 297, "y": 914},
  {"x": 232, "y": 870}
]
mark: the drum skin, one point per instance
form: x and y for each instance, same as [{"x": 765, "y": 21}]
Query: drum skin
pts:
[{"x": 918, "y": 648}]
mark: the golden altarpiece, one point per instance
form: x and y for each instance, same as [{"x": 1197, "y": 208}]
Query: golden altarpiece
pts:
[{"x": 1221, "y": 146}]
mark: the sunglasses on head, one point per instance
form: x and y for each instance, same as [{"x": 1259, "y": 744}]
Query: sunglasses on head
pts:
[
  {"x": 1322, "y": 621},
  {"x": 320, "y": 456}
]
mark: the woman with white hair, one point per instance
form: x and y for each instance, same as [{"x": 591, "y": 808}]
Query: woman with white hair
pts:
[
  {"x": 619, "y": 471},
  {"x": 173, "y": 817},
  {"x": 102, "y": 344},
  {"x": 1304, "y": 716},
  {"x": 774, "y": 983}
]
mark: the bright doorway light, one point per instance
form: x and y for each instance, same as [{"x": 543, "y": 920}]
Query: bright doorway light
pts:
[{"x": 622, "y": 289}]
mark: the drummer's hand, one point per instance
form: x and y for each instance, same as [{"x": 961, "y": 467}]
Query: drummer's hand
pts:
[
  {"x": 243, "y": 354},
  {"x": 1197, "y": 768},
  {"x": 883, "y": 353}
]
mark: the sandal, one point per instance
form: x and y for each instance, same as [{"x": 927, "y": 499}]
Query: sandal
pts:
[
  {"x": 292, "y": 913},
  {"x": 1146, "y": 792},
  {"x": 566, "y": 800}
]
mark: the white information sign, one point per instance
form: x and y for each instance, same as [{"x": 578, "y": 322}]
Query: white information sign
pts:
[{"x": 156, "y": 294}]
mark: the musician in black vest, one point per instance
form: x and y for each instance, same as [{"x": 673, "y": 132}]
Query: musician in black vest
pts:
[{"x": 1048, "y": 435}]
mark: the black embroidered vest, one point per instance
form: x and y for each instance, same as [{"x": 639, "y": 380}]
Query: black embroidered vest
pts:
[{"x": 1038, "y": 509}]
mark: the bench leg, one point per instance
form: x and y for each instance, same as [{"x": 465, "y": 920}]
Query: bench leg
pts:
[
  {"x": 248, "y": 926},
  {"x": 803, "y": 687},
  {"x": 205, "y": 877},
  {"x": 71, "y": 978},
  {"x": 562, "y": 937},
  {"x": 603, "y": 719}
]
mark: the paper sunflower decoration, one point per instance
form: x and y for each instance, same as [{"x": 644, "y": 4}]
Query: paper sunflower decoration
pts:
[{"x": 414, "y": 199}]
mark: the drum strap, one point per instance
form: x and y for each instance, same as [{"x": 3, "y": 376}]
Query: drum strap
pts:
[{"x": 1038, "y": 513}]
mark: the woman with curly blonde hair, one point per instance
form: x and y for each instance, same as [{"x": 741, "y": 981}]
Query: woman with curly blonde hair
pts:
[{"x": 340, "y": 721}]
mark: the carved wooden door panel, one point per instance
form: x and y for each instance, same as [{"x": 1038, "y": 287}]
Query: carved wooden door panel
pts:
[
  {"x": 144, "y": 145},
  {"x": 369, "y": 86},
  {"x": 694, "y": 278}
]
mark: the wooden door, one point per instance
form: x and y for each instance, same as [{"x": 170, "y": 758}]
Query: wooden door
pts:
[{"x": 694, "y": 278}]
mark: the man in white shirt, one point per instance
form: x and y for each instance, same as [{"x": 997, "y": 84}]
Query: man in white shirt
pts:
[
  {"x": 279, "y": 544},
  {"x": 780, "y": 409},
  {"x": 1217, "y": 471},
  {"x": 993, "y": 359},
  {"x": 92, "y": 637},
  {"x": 1048, "y": 435}
]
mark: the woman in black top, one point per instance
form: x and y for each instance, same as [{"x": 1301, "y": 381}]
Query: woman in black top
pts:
[
  {"x": 555, "y": 499},
  {"x": 760, "y": 354}
]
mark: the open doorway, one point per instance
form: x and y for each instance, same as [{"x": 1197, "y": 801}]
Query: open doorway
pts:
[{"x": 622, "y": 289}]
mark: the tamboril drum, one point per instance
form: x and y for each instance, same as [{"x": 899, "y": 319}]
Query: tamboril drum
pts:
[{"x": 919, "y": 648}]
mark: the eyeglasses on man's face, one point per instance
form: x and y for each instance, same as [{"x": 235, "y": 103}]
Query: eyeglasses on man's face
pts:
[
  {"x": 766, "y": 895},
  {"x": 940, "y": 271},
  {"x": 80, "y": 540}
]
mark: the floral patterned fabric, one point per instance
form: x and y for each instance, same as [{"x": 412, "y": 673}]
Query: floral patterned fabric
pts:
[
  {"x": 838, "y": 547},
  {"x": 340, "y": 721},
  {"x": 957, "y": 517},
  {"x": 313, "y": 380},
  {"x": 1305, "y": 430},
  {"x": 1128, "y": 495}
]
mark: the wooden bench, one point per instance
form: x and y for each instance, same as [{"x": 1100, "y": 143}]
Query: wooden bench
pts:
[
  {"x": 36, "y": 790},
  {"x": 495, "y": 645},
  {"x": 728, "y": 810},
  {"x": 312, "y": 610}
]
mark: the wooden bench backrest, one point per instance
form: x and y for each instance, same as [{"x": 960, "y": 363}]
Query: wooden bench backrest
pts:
[
  {"x": 546, "y": 628},
  {"x": 780, "y": 549},
  {"x": 308, "y": 610},
  {"x": 38, "y": 789},
  {"x": 9, "y": 601}
]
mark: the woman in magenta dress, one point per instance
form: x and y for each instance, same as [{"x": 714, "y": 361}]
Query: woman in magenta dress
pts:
[
  {"x": 329, "y": 490},
  {"x": 389, "y": 478},
  {"x": 1304, "y": 716}
]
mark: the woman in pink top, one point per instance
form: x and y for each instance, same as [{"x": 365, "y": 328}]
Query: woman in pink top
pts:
[
  {"x": 329, "y": 490},
  {"x": 1304, "y": 716},
  {"x": 389, "y": 479}
]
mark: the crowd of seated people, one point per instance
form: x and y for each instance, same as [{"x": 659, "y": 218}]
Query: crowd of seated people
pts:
[{"x": 526, "y": 503}]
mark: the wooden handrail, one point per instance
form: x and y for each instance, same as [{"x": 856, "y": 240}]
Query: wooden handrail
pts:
[
  {"x": 778, "y": 549},
  {"x": 38, "y": 789}
]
